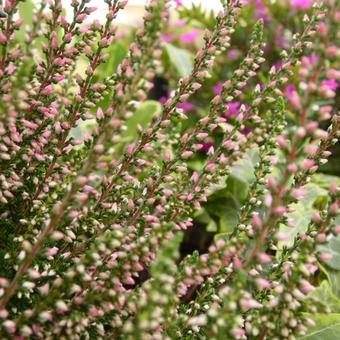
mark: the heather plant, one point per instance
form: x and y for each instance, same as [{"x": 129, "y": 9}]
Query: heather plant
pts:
[{"x": 119, "y": 147}]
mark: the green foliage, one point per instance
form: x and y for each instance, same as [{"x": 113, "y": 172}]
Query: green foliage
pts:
[
  {"x": 327, "y": 327},
  {"x": 180, "y": 58},
  {"x": 143, "y": 116}
]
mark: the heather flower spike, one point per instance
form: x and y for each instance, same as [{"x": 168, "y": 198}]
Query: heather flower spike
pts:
[{"x": 151, "y": 190}]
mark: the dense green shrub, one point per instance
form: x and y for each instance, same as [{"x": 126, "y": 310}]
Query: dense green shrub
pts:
[{"x": 115, "y": 147}]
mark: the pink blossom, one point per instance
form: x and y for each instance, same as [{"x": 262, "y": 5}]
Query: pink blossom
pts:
[
  {"x": 52, "y": 251},
  {"x": 186, "y": 106},
  {"x": 331, "y": 84},
  {"x": 233, "y": 109},
  {"x": 218, "y": 88},
  {"x": 168, "y": 37},
  {"x": 204, "y": 147},
  {"x": 47, "y": 90},
  {"x": 301, "y": 4},
  {"x": 190, "y": 37},
  {"x": 233, "y": 54}
]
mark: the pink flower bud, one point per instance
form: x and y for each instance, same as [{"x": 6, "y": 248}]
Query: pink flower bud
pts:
[
  {"x": 256, "y": 221},
  {"x": 307, "y": 164},
  {"x": 52, "y": 251},
  {"x": 47, "y": 90},
  {"x": 282, "y": 141},
  {"x": 100, "y": 113},
  {"x": 325, "y": 256}
]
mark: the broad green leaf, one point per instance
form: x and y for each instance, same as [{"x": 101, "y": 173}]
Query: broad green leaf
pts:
[
  {"x": 224, "y": 204},
  {"x": 238, "y": 187},
  {"x": 325, "y": 294},
  {"x": 202, "y": 217},
  {"x": 212, "y": 226},
  {"x": 323, "y": 180},
  {"x": 334, "y": 277},
  {"x": 142, "y": 117},
  {"x": 241, "y": 175},
  {"x": 314, "y": 198},
  {"x": 117, "y": 52},
  {"x": 82, "y": 127},
  {"x": 181, "y": 59},
  {"x": 327, "y": 327},
  {"x": 26, "y": 10},
  {"x": 333, "y": 247},
  {"x": 223, "y": 209}
]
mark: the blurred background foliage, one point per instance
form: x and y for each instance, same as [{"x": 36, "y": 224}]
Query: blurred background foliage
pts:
[{"x": 221, "y": 213}]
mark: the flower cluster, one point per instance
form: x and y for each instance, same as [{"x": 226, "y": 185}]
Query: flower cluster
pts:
[{"x": 100, "y": 186}]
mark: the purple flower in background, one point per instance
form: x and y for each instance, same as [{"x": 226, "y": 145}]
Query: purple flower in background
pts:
[
  {"x": 181, "y": 23},
  {"x": 218, "y": 88},
  {"x": 290, "y": 90},
  {"x": 233, "y": 109},
  {"x": 163, "y": 100},
  {"x": 293, "y": 96},
  {"x": 278, "y": 65},
  {"x": 186, "y": 106},
  {"x": 190, "y": 37},
  {"x": 280, "y": 39},
  {"x": 233, "y": 54},
  {"x": 262, "y": 11},
  {"x": 246, "y": 131},
  {"x": 313, "y": 58},
  {"x": 301, "y": 4},
  {"x": 168, "y": 37},
  {"x": 206, "y": 146},
  {"x": 331, "y": 84},
  {"x": 178, "y": 2},
  {"x": 309, "y": 61}
]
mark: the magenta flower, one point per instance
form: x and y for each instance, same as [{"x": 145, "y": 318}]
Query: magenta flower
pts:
[
  {"x": 314, "y": 58},
  {"x": 290, "y": 90},
  {"x": 233, "y": 109},
  {"x": 163, "y": 100},
  {"x": 293, "y": 96},
  {"x": 190, "y": 37},
  {"x": 168, "y": 37},
  {"x": 331, "y": 84},
  {"x": 218, "y": 88},
  {"x": 205, "y": 146},
  {"x": 278, "y": 65},
  {"x": 233, "y": 54},
  {"x": 301, "y": 4},
  {"x": 186, "y": 106},
  {"x": 246, "y": 131},
  {"x": 261, "y": 11}
]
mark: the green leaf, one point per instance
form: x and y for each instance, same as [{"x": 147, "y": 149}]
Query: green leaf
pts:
[
  {"x": 26, "y": 10},
  {"x": 223, "y": 209},
  {"x": 333, "y": 247},
  {"x": 241, "y": 175},
  {"x": 181, "y": 59},
  {"x": 303, "y": 210},
  {"x": 117, "y": 52},
  {"x": 327, "y": 327},
  {"x": 142, "y": 117},
  {"x": 82, "y": 127},
  {"x": 334, "y": 278},
  {"x": 323, "y": 180},
  {"x": 325, "y": 294}
]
